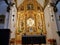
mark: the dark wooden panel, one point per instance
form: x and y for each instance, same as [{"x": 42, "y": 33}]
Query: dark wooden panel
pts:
[
  {"x": 34, "y": 40},
  {"x": 4, "y": 36}
]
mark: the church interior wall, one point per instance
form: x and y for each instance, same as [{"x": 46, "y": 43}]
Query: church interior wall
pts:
[
  {"x": 12, "y": 20},
  {"x": 51, "y": 26}
]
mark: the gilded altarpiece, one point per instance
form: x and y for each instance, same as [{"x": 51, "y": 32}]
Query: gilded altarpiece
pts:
[{"x": 30, "y": 19}]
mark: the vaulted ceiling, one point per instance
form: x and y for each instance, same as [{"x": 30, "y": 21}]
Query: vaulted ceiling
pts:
[{"x": 43, "y": 3}]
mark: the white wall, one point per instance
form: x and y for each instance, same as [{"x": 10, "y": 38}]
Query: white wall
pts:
[
  {"x": 19, "y": 2},
  {"x": 41, "y": 2},
  {"x": 51, "y": 25},
  {"x": 12, "y": 24},
  {"x": 48, "y": 22}
]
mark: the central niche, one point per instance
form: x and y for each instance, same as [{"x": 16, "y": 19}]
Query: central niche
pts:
[{"x": 30, "y": 22}]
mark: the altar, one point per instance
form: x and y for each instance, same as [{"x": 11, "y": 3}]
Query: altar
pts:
[
  {"x": 30, "y": 23},
  {"x": 34, "y": 39}
]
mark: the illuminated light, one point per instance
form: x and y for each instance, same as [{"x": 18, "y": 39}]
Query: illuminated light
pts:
[
  {"x": 48, "y": 5},
  {"x": 30, "y": 22}
]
